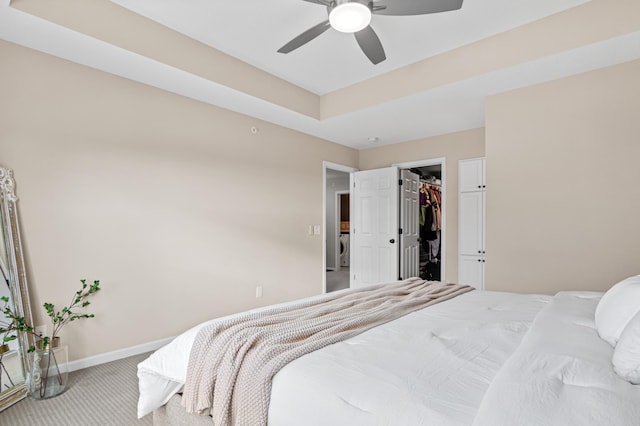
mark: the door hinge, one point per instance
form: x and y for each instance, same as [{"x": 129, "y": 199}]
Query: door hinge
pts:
[
  {"x": 400, "y": 231},
  {"x": 400, "y": 182}
]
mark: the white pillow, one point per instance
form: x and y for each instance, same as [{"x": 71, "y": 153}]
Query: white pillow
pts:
[
  {"x": 616, "y": 308},
  {"x": 626, "y": 355}
]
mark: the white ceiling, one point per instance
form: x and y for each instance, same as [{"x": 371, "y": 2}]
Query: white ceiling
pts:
[{"x": 253, "y": 30}]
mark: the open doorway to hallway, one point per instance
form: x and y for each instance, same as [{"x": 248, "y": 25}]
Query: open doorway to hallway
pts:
[{"x": 336, "y": 227}]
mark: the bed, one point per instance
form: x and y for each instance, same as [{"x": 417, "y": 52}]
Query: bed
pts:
[{"x": 480, "y": 358}]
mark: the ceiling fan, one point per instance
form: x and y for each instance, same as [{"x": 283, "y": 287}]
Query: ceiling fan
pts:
[{"x": 354, "y": 16}]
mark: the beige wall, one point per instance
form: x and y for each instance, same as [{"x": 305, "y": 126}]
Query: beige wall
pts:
[
  {"x": 563, "y": 170},
  {"x": 149, "y": 38},
  {"x": 453, "y": 147},
  {"x": 173, "y": 204}
]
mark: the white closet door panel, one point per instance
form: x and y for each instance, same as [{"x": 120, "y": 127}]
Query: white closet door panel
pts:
[
  {"x": 471, "y": 220},
  {"x": 471, "y": 271},
  {"x": 471, "y": 175},
  {"x": 410, "y": 266},
  {"x": 471, "y": 223},
  {"x": 410, "y": 224}
]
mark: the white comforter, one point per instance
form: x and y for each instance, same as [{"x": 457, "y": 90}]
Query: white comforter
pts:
[
  {"x": 561, "y": 374},
  {"x": 430, "y": 367},
  {"x": 461, "y": 362}
]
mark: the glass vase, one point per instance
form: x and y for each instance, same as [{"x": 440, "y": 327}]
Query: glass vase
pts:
[{"x": 49, "y": 372}]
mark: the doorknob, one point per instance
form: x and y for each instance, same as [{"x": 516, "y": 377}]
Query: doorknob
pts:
[{"x": 392, "y": 241}]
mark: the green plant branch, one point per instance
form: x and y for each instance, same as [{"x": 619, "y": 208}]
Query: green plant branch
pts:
[
  {"x": 69, "y": 313},
  {"x": 16, "y": 323},
  {"x": 13, "y": 323},
  {"x": 59, "y": 318}
]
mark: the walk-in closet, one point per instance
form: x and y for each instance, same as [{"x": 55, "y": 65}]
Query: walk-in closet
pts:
[{"x": 431, "y": 216}]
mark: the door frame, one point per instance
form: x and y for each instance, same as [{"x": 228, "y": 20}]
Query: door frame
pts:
[
  {"x": 442, "y": 161},
  {"x": 327, "y": 165}
]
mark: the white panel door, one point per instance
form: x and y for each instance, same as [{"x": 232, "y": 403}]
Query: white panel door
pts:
[
  {"x": 471, "y": 218},
  {"x": 471, "y": 175},
  {"x": 409, "y": 224},
  {"x": 471, "y": 271},
  {"x": 471, "y": 223},
  {"x": 374, "y": 226}
]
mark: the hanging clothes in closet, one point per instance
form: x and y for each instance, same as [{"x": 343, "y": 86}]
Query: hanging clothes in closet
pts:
[{"x": 430, "y": 227}]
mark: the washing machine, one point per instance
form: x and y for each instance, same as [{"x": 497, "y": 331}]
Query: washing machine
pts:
[{"x": 344, "y": 249}]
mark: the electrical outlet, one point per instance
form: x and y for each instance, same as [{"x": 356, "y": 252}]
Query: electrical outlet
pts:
[
  {"x": 259, "y": 291},
  {"x": 41, "y": 330}
]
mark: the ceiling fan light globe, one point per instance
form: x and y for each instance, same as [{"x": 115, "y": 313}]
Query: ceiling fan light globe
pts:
[{"x": 350, "y": 17}]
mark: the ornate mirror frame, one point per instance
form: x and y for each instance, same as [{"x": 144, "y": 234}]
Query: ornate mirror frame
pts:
[{"x": 17, "y": 280}]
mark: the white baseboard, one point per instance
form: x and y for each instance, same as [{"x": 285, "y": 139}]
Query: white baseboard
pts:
[{"x": 118, "y": 354}]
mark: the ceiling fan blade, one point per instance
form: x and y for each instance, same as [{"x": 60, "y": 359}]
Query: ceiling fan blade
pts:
[
  {"x": 415, "y": 7},
  {"x": 322, "y": 2},
  {"x": 305, "y": 37},
  {"x": 370, "y": 45}
]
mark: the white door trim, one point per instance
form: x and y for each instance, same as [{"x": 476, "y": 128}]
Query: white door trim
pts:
[
  {"x": 341, "y": 168},
  {"x": 442, "y": 161}
]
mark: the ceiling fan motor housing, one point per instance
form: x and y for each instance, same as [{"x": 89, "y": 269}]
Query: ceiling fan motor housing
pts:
[{"x": 349, "y": 16}]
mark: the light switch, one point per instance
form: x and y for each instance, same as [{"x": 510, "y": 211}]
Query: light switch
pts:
[{"x": 316, "y": 229}]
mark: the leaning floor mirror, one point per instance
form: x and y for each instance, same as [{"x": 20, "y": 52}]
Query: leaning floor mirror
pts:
[{"x": 15, "y": 297}]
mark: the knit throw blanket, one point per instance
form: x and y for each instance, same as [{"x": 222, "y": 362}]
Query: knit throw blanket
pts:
[{"x": 233, "y": 361}]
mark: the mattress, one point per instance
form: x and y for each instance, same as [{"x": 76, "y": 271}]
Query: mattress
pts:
[{"x": 432, "y": 366}]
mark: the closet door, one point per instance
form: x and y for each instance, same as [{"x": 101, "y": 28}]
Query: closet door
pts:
[
  {"x": 471, "y": 235},
  {"x": 471, "y": 175},
  {"x": 471, "y": 271},
  {"x": 471, "y": 223},
  {"x": 409, "y": 225}
]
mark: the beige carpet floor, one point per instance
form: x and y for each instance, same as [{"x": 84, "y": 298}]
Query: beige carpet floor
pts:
[{"x": 106, "y": 394}]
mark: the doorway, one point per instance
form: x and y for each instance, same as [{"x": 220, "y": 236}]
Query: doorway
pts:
[
  {"x": 432, "y": 239},
  {"x": 429, "y": 222},
  {"x": 336, "y": 219},
  {"x": 385, "y": 212},
  {"x": 343, "y": 230}
]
